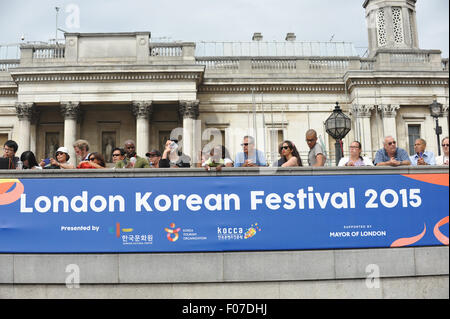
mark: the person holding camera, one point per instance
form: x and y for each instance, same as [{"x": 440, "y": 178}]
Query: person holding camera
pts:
[
  {"x": 61, "y": 160},
  {"x": 172, "y": 157}
]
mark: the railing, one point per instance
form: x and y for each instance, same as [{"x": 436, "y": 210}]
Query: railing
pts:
[
  {"x": 166, "y": 49},
  {"x": 50, "y": 51},
  {"x": 273, "y": 48},
  {"x": 327, "y": 64},
  {"x": 218, "y": 64},
  {"x": 410, "y": 57},
  {"x": 5, "y": 65},
  {"x": 274, "y": 64},
  {"x": 367, "y": 64}
]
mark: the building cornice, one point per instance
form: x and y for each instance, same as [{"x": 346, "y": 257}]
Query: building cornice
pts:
[
  {"x": 106, "y": 76},
  {"x": 273, "y": 88},
  {"x": 413, "y": 81}
]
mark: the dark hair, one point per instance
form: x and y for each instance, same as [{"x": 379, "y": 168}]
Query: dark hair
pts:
[
  {"x": 121, "y": 150},
  {"x": 67, "y": 156},
  {"x": 359, "y": 144},
  {"x": 12, "y": 144},
  {"x": 98, "y": 157},
  {"x": 294, "y": 151},
  {"x": 29, "y": 156}
]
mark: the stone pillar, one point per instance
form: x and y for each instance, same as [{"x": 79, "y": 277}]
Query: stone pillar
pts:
[
  {"x": 70, "y": 112},
  {"x": 142, "y": 110},
  {"x": 388, "y": 113},
  {"x": 363, "y": 113},
  {"x": 189, "y": 110},
  {"x": 24, "y": 113},
  {"x": 33, "y": 129}
]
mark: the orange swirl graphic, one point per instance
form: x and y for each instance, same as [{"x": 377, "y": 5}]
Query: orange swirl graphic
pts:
[
  {"x": 10, "y": 197},
  {"x": 437, "y": 233},
  {"x": 409, "y": 241}
]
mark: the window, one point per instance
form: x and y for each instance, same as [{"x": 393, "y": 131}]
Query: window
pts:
[
  {"x": 413, "y": 135},
  {"x": 381, "y": 27},
  {"x": 398, "y": 25},
  {"x": 3, "y": 139}
]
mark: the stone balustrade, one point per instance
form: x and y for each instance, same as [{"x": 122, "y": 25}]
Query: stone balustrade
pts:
[
  {"x": 136, "y": 48},
  {"x": 5, "y": 65}
]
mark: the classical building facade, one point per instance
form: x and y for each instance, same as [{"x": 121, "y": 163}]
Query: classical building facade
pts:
[{"x": 111, "y": 87}]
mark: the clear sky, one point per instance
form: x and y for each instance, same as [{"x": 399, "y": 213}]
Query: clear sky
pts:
[{"x": 213, "y": 20}]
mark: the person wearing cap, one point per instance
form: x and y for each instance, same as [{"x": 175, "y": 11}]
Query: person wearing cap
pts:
[
  {"x": 61, "y": 161},
  {"x": 154, "y": 156}
]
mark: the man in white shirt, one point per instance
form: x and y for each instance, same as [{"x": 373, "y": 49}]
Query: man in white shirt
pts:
[{"x": 422, "y": 157}]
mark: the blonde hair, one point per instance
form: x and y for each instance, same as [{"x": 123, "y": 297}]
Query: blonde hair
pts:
[{"x": 81, "y": 144}]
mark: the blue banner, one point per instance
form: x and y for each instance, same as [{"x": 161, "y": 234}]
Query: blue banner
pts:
[{"x": 187, "y": 214}]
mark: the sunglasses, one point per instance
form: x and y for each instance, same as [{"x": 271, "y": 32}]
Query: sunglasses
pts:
[
  {"x": 116, "y": 155},
  {"x": 245, "y": 144},
  {"x": 91, "y": 158},
  {"x": 285, "y": 147},
  {"x": 390, "y": 143},
  {"x": 445, "y": 145},
  {"x": 59, "y": 153}
]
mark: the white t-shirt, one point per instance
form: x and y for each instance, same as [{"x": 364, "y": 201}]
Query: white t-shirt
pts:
[{"x": 365, "y": 162}]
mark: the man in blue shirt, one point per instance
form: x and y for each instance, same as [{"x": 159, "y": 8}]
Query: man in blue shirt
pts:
[
  {"x": 251, "y": 157},
  {"x": 391, "y": 155},
  {"x": 422, "y": 157}
]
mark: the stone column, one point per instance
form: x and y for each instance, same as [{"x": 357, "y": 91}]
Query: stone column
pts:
[
  {"x": 388, "y": 113},
  {"x": 142, "y": 110},
  {"x": 189, "y": 110},
  {"x": 363, "y": 113},
  {"x": 24, "y": 113},
  {"x": 33, "y": 129},
  {"x": 70, "y": 112}
]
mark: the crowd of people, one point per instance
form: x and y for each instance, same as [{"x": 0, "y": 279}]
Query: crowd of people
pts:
[{"x": 218, "y": 156}]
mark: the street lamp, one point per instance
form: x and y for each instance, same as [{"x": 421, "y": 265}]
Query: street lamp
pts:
[
  {"x": 436, "y": 112},
  {"x": 338, "y": 125}
]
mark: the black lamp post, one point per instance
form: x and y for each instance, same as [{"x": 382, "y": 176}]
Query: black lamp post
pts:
[
  {"x": 436, "y": 112},
  {"x": 338, "y": 125}
]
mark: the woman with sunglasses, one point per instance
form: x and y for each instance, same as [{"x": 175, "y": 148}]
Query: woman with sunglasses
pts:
[
  {"x": 95, "y": 160},
  {"x": 61, "y": 160},
  {"x": 355, "y": 158},
  {"x": 289, "y": 155},
  {"x": 443, "y": 159}
]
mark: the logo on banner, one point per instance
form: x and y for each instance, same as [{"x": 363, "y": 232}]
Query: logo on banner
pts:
[
  {"x": 8, "y": 194},
  {"x": 128, "y": 238},
  {"x": 251, "y": 231},
  {"x": 237, "y": 233},
  {"x": 172, "y": 232}
]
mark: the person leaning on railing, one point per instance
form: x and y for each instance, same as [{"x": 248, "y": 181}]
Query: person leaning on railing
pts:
[
  {"x": 421, "y": 156},
  {"x": 391, "y": 155},
  {"x": 61, "y": 160},
  {"x": 95, "y": 160},
  {"x": 355, "y": 158},
  {"x": 443, "y": 159},
  {"x": 290, "y": 157}
]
